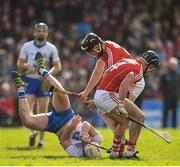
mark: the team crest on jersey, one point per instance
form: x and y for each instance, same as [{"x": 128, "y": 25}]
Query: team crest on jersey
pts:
[{"x": 76, "y": 136}]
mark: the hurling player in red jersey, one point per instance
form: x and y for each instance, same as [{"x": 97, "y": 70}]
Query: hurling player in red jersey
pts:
[
  {"x": 107, "y": 54},
  {"x": 117, "y": 85}
]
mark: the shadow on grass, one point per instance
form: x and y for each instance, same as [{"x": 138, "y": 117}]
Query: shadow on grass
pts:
[
  {"x": 53, "y": 157},
  {"x": 37, "y": 157},
  {"x": 22, "y": 148}
]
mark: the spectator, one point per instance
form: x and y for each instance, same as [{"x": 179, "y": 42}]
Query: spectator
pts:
[
  {"x": 7, "y": 105},
  {"x": 136, "y": 25},
  {"x": 169, "y": 85},
  {"x": 37, "y": 88}
]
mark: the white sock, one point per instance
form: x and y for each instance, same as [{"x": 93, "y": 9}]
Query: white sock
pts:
[
  {"x": 41, "y": 141},
  {"x": 21, "y": 92},
  {"x": 34, "y": 132},
  {"x": 98, "y": 138},
  {"x": 43, "y": 72}
]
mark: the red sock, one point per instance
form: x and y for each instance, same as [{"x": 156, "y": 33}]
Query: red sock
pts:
[
  {"x": 131, "y": 146},
  {"x": 122, "y": 147},
  {"x": 116, "y": 145}
]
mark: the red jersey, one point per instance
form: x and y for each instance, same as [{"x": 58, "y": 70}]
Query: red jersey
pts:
[
  {"x": 113, "y": 53},
  {"x": 113, "y": 77}
]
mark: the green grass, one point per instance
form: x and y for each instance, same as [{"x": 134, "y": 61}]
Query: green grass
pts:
[{"x": 153, "y": 151}]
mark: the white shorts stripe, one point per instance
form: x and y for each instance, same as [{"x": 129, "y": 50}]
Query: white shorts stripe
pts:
[
  {"x": 113, "y": 96},
  {"x": 110, "y": 58}
]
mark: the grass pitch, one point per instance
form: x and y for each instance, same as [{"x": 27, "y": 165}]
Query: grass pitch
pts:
[{"x": 153, "y": 151}]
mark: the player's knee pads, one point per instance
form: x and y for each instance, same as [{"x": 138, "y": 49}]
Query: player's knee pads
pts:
[
  {"x": 98, "y": 138},
  {"x": 74, "y": 151}
]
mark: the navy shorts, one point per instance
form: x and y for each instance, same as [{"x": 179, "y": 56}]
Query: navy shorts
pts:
[
  {"x": 34, "y": 87},
  {"x": 58, "y": 119}
]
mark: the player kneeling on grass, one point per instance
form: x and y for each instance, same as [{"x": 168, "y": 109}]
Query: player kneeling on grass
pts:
[{"x": 71, "y": 131}]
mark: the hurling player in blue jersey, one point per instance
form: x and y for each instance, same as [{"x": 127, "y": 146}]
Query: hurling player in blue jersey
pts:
[
  {"x": 37, "y": 95},
  {"x": 70, "y": 130}
]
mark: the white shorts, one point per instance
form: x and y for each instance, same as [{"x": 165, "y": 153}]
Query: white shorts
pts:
[
  {"x": 136, "y": 89},
  {"x": 107, "y": 101}
]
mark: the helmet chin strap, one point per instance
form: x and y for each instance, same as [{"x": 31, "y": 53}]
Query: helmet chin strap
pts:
[
  {"x": 100, "y": 51},
  {"x": 147, "y": 71}
]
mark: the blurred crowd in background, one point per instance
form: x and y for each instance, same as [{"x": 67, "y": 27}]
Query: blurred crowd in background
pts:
[{"x": 137, "y": 25}]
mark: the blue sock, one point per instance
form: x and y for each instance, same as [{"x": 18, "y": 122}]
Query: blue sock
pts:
[{"x": 21, "y": 93}]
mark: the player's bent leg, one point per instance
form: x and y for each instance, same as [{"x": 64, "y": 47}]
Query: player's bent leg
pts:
[
  {"x": 24, "y": 108},
  {"x": 57, "y": 97},
  {"x": 119, "y": 132},
  {"x": 105, "y": 102},
  {"x": 109, "y": 122},
  {"x": 114, "y": 115},
  {"x": 112, "y": 124},
  {"x": 39, "y": 122},
  {"x": 116, "y": 145},
  {"x": 135, "y": 129},
  {"x": 36, "y": 122},
  {"x": 22, "y": 99},
  {"x": 42, "y": 107},
  {"x": 136, "y": 113}
]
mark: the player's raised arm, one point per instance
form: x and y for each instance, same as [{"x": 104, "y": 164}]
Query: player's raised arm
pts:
[
  {"x": 94, "y": 79},
  {"x": 64, "y": 138},
  {"x": 22, "y": 64},
  {"x": 56, "y": 68}
]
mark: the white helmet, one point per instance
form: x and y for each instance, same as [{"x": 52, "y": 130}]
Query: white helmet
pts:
[{"x": 91, "y": 150}]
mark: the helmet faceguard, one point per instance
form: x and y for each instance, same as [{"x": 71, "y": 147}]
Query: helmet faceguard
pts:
[
  {"x": 151, "y": 59},
  {"x": 89, "y": 43}
]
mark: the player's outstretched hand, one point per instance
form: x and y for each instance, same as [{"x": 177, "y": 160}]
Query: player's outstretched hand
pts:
[
  {"x": 83, "y": 96},
  {"x": 123, "y": 112},
  {"x": 72, "y": 94},
  {"x": 90, "y": 105}
]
